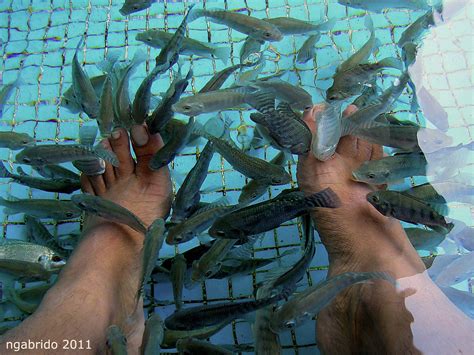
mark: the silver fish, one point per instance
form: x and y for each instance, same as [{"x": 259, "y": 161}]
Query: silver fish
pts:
[
  {"x": 15, "y": 141},
  {"x": 328, "y": 132},
  {"x": 209, "y": 263},
  {"x": 293, "y": 26},
  {"x": 380, "y": 5},
  {"x": 69, "y": 101},
  {"x": 220, "y": 77},
  {"x": 153, "y": 335},
  {"x": 105, "y": 119},
  {"x": 109, "y": 210},
  {"x": 55, "y": 172},
  {"x": 250, "y": 46},
  {"x": 306, "y": 52},
  {"x": 24, "y": 306},
  {"x": 116, "y": 340},
  {"x": 132, "y": 6},
  {"x": 177, "y": 274},
  {"x": 41, "y": 208},
  {"x": 39, "y": 234},
  {"x": 266, "y": 341},
  {"x": 141, "y": 102}
]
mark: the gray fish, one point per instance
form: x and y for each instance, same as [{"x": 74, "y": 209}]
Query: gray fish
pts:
[
  {"x": 256, "y": 188},
  {"x": 26, "y": 299},
  {"x": 163, "y": 113},
  {"x": 402, "y": 137},
  {"x": 250, "y": 46},
  {"x": 391, "y": 169},
  {"x": 132, "y": 6},
  {"x": 116, "y": 341},
  {"x": 266, "y": 341},
  {"x": 41, "y": 208},
  {"x": 109, "y": 210},
  {"x": 195, "y": 346},
  {"x": 177, "y": 275},
  {"x": 380, "y": 5},
  {"x": 311, "y": 301},
  {"x": 27, "y": 260},
  {"x": 59, "y": 185},
  {"x": 293, "y": 26},
  {"x": 105, "y": 119},
  {"x": 173, "y": 127},
  {"x": 306, "y": 52},
  {"x": 48, "y": 154},
  {"x": 90, "y": 167},
  {"x": 68, "y": 100},
  {"x": 55, "y": 172},
  {"x": 188, "y": 196},
  {"x": 328, "y": 132},
  {"x": 154, "y": 238},
  {"x": 220, "y": 77},
  {"x": 39, "y": 234},
  {"x": 159, "y": 39},
  {"x": 6, "y": 91},
  {"x": 409, "y": 209},
  {"x": 414, "y": 32},
  {"x": 251, "y": 26},
  {"x": 267, "y": 215},
  {"x": 15, "y": 141},
  {"x": 141, "y": 102},
  {"x": 24, "y": 306},
  {"x": 171, "y": 336},
  {"x": 153, "y": 335},
  {"x": 423, "y": 239},
  {"x": 84, "y": 92},
  {"x": 166, "y": 154}
]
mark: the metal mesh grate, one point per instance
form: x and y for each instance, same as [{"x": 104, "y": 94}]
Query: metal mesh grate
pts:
[{"x": 39, "y": 39}]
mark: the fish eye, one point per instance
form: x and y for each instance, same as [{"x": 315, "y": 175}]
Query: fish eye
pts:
[
  {"x": 26, "y": 160},
  {"x": 69, "y": 214},
  {"x": 149, "y": 39},
  {"x": 267, "y": 34},
  {"x": 208, "y": 273},
  {"x": 187, "y": 107},
  {"x": 56, "y": 258},
  {"x": 374, "y": 198},
  {"x": 371, "y": 176},
  {"x": 220, "y": 233}
]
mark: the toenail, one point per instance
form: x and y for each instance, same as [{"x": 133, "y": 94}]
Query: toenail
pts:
[
  {"x": 116, "y": 134},
  {"x": 139, "y": 135}
]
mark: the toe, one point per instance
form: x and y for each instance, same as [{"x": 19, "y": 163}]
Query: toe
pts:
[
  {"x": 145, "y": 146},
  {"x": 98, "y": 184},
  {"x": 120, "y": 145},
  {"x": 109, "y": 174},
  {"x": 86, "y": 185}
]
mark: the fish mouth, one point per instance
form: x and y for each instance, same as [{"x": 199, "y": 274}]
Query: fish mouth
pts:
[{"x": 57, "y": 264}]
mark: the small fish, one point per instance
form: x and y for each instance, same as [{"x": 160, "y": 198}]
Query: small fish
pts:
[
  {"x": 409, "y": 209},
  {"x": 328, "y": 132},
  {"x": 15, "y": 141},
  {"x": 414, "y": 32},
  {"x": 59, "y": 185},
  {"x": 109, "y": 210},
  {"x": 195, "y": 346},
  {"x": 6, "y": 91},
  {"x": 267, "y": 215},
  {"x": 292, "y": 26},
  {"x": 105, "y": 119},
  {"x": 163, "y": 113},
  {"x": 39, "y": 234},
  {"x": 311, "y": 301},
  {"x": 141, "y": 102},
  {"x": 153, "y": 335},
  {"x": 159, "y": 39},
  {"x": 69, "y": 101},
  {"x": 166, "y": 154},
  {"x": 48, "y": 154},
  {"x": 28, "y": 261},
  {"x": 379, "y": 6},
  {"x": 220, "y": 77},
  {"x": 188, "y": 196},
  {"x": 285, "y": 127},
  {"x": 460, "y": 269},
  {"x": 423, "y": 239},
  {"x": 55, "y": 172},
  {"x": 154, "y": 238},
  {"x": 266, "y": 341},
  {"x": 84, "y": 92},
  {"x": 177, "y": 275},
  {"x": 391, "y": 169},
  {"x": 171, "y": 336},
  {"x": 209, "y": 263},
  {"x": 256, "y": 188},
  {"x": 306, "y": 52},
  {"x": 41, "y": 208},
  {"x": 250, "y": 46},
  {"x": 116, "y": 341},
  {"x": 251, "y": 26},
  {"x": 24, "y": 306},
  {"x": 132, "y": 6}
]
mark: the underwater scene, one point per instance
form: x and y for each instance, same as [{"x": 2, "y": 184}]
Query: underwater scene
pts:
[{"x": 245, "y": 176}]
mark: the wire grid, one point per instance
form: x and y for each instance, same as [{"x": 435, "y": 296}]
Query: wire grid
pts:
[{"x": 39, "y": 40}]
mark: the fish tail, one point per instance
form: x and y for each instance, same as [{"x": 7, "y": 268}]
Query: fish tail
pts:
[
  {"x": 391, "y": 63},
  {"x": 222, "y": 53},
  {"x": 87, "y": 135},
  {"x": 4, "y": 173},
  {"x": 326, "y": 198}
]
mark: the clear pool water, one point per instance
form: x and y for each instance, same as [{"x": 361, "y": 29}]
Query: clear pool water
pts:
[{"x": 38, "y": 42}]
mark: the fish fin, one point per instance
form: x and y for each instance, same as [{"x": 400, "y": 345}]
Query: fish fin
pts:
[
  {"x": 242, "y": 252},
  {"x": 326, "y": 198},
  {"x": 107, "y": 155},
  {"x": 222, "y": 201},
  {"x": 87, "y": 135},
  {"x": 259, "y": 118},
  {"x": 391, "y": 63},
  {"x": 21, "y": 172},
  {"x": 262, "y": 100},
  {"x": 155, "y": 101},
  {"x": 222, "y": 53},
  {"x": 204, "y": 238},
  {"x": 194, "y": 13},
  {"x": 4, "y": 173},
  {"x": 441, "y": 208},
  {"x": 327, "y": 25},
  {"x": 230, "y": 262},
  {"x": 108, "y": 63},
  {"x": 139, "y": 57}
]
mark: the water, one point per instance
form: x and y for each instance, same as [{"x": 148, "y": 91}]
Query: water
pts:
[{"x": 39, "y": 39}]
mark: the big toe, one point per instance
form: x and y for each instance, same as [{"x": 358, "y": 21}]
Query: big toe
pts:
[
  {"x": 120, "y": 144},
  {"x": 145, "y": 146}
]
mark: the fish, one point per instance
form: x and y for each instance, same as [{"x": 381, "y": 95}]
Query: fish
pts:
[
  {"x": 328, "y": 132},
  {"x": 84, "y": 92},
  {"x": 25, "y": 299},
  {"x": 266, "y": 341},
  {"x": 24, "y": 306},
  {"x": 132, "y": 6},
  {"x": 153, "y": 335},
  {"x": 408, "y": 209},
  {"x": 116, "y": 340},
  {"x": 159, "y": 39},
  {"x": 15, "y": 141},
  {"x": 169, "y": 54},
  {"x": 250, "y": 46},
  {"x": 368, "y": 94},
  {"x": 69, "y": 101},
  {"x": 196, "y": 346},
  {"x": 414, "y": 32},
  {"x": 92, "y": 167},
  {"x": 168, "y": 152},
  {"x": 218, "y": 79},
  {"x": 460, "y": 269},
  {"x": 423, "y": 239},
  {"x": 378, "y": 6},
  {"x": 251, "y": 26},
  {"x": 47, "y": 154},
  {"x": 105, "y": 119},
  {"x": 409, "y": 53},
  {"x": 163, "y": 113},
  {"x": 154, "y": 238},
  {"x": 29, "y": 261},
  {"x": 306, "y": 52},
  {"x": 312, "y": 300},
  {"x": 141, "y": 102},
  {"x": 254, "y": 189},
  {"x": 391, "y": 169},
  {"x": 41, "y": 208},
  {"x": 285, "y": 127},
  {"x": 268, "y": 215},
  {"x": 171, "y": 336},
  {"x": 108, "y": 210},
  {"x": 293, "y": 26},
  {"x": 55, "y": 172},
  {"x": 39, "y": 234},
  {"x": 188, "y": 196},
  {"x": 177, "y": 275},
  {"x": 59, "y": 185},
  {"x": 7, "y": 90},
  {"x": 402, "y": 137}
]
